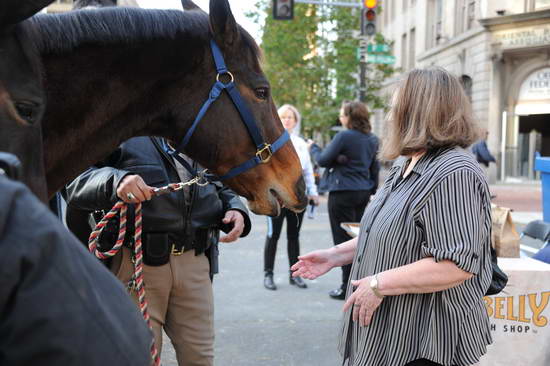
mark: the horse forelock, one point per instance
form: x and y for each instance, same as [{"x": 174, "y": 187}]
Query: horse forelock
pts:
[{"x": 61, "y": 33}]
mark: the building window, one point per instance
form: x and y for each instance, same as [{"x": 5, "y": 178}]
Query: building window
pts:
[
  {"x": 471, "y": 16},
  {"x": 460, "y": 16},
  {"x": 404, "y": 59},
  {"x": 386, "y": 13},
  {"x": 467, "y": 83},
  {"x": 542, "y": 4},
  {"x": 435, "y": 23},
  {"x": 412, "y": 47}
]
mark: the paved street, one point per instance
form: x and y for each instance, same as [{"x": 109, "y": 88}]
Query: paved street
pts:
[{"x": 286, "y": 327}]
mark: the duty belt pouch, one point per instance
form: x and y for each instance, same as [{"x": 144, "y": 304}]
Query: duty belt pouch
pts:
[
  {"x": 156, "y": 249},
  {"x": 212, "y": 251}
]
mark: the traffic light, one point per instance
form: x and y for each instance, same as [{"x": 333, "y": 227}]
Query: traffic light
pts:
[
  {"x": 283, "y": 9},
  {"x": 368, "y": 17}
]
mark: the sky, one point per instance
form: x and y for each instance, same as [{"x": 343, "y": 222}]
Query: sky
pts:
[{"x": 238, "y": 7}]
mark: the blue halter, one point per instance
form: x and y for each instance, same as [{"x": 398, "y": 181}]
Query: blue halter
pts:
[{"x": 264, "y": 151}]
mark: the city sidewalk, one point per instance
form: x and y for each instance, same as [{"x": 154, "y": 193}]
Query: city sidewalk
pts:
[{"x": 525, "y": 199}]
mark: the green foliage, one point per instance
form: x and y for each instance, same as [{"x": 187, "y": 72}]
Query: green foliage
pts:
[{"x": 311, "y": 61}]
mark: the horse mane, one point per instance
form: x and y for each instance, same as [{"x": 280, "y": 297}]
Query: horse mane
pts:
[{"x": 61, "y": 33}]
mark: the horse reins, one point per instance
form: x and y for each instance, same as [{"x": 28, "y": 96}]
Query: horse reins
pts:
[{"x": 264, "y": 152}]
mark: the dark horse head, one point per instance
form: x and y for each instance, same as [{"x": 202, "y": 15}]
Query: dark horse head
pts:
[
  {"x": 22, "y": 100},
  {"x": 115, "y": 73}
]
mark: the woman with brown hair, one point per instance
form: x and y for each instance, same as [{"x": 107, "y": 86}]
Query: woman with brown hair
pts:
[
  {"x": 421, "y": 263},
  {"x": 351, "y": 175}
]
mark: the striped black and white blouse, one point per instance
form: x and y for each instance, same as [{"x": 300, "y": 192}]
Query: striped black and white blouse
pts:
[{"x": 440, "y": 210}]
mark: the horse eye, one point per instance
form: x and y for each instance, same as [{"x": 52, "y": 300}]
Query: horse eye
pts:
[
  {"x": 261, "y": 93},
  {"x": 26, "y": 111}
]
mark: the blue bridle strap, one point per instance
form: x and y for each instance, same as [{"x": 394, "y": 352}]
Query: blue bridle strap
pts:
[
  {"x": 249, "y": 164},
  {"x": 264, "y": 151}
]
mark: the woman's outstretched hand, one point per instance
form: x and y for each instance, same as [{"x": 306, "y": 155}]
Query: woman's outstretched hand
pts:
[{"x": 314, "y": 264}]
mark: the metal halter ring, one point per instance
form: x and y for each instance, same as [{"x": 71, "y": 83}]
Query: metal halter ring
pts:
[
  {"x": 202, "y": 180},
  {"x": 130, "y": 196},
  {"x": 226, "y": 73}
]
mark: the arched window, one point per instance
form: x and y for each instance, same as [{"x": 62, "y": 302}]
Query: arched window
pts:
[{"x": 467, "y": 85}]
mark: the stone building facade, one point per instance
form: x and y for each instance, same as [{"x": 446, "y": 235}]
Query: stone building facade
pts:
[{"x": 501, "y": 51}]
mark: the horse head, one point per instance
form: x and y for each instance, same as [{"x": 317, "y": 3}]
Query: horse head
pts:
[
  {"x": 268, "y": 185},
  {"x": 155, "y": 70},
  {"x": 22, "y": 99}
]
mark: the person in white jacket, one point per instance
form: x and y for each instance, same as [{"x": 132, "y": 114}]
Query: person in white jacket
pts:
[{"x": 290, "y": 117}]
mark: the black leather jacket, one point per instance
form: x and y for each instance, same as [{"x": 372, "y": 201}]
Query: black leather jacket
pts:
[
  {"x": 95, "y": 189},
  {"x": 58, "y": 304}
]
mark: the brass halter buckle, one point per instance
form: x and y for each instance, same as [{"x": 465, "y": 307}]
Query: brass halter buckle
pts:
[{"x": 265, "y": 153}]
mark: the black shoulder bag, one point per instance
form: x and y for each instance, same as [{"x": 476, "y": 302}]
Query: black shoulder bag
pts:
[{"x": 499, "y": 280}]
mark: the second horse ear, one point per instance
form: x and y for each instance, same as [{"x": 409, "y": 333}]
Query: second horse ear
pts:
[
  {"x": 15, "y": 11},
  {"x": 222, "y": 23},
  {"x": 189, "y": 5}
]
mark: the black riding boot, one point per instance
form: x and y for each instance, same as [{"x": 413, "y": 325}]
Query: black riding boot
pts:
[
  {"x": 293, "y": 253},
  {"x": 269, "y": 262},
  {"x": 268, "y": 281},
  {"x": 297, "y": 281}
]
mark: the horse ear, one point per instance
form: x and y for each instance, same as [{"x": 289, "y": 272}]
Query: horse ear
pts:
[
  {"x": 222, "y": 23},
  {"x": 15, "y": 11},
  {"x": 189, "y": 5}
]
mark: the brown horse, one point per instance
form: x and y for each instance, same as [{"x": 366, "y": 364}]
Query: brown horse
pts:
[
  {"x": 140, "y": 72},
  {"x": 22, "y": 100}
]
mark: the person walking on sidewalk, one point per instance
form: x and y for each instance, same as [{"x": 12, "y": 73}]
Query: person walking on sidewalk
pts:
[
  {"x": 351, "y": 175},
  {"x": 422, "y": 260},
  {"x": 290, "y": 117},
  {"x": 481, "y": 151}
]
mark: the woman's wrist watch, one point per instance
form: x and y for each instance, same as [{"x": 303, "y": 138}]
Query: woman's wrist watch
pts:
[{"x": 374, "y": 286}]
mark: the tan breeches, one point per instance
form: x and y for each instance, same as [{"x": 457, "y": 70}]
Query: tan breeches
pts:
[{"x": 180, "y": 300}]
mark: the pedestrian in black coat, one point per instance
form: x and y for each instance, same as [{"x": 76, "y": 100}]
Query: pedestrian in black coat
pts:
[{"x": 351, "y": 175}]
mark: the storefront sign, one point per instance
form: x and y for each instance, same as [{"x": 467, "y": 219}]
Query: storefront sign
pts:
[
  {"x": 520, "y": 316},
  {"x": 534, "y": 94},
  {"x": 536, "y": 86},
  {"x": 523, "y": 37}
]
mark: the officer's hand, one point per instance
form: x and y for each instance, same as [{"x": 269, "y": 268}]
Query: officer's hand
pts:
[
  {"x": 236, "y": 218},
  {"x": 132, "y": 189}
]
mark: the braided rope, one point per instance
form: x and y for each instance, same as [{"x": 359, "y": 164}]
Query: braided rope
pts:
[
  {"x": 94, "y": 236},
  {"x": 137, "y": 276},
  {"x": 136, "y": 282}
]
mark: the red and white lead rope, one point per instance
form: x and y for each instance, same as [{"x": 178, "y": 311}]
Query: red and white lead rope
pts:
[{"x": 137, "y": 277}]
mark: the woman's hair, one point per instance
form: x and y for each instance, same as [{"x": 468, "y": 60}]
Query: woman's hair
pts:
[
  {"x": 430, "y": 110},
  {"x": 297, "y": 116},
  {"x": 358, "y": 116}
]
